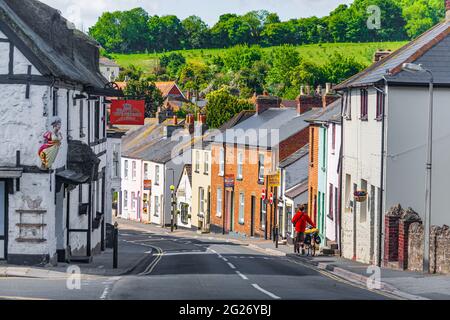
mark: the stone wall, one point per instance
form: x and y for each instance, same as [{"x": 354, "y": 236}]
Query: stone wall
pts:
[{"x": 405, "y": 243}]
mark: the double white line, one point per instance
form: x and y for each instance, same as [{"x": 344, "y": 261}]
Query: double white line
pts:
[{"x": 152, "y": 265}]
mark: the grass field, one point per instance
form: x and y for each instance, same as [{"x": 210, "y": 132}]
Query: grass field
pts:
[{"x": 318, "y": 53}]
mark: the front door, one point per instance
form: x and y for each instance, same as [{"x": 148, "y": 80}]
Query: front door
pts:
[
  {"x": 229, "y": 210},
  {"x": 3, "y": 221}
]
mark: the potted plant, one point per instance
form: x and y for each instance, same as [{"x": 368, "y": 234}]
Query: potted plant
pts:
[{"x": 360, "y": 195}]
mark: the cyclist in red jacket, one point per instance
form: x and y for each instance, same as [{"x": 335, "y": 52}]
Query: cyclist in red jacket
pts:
[{"x": 300, "y": 220}]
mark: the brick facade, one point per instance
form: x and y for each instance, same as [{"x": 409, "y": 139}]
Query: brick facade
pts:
[
  {"x": 313, "y": 171},
  {"x": 391, "y": 238},
  {"x": 294, "y": 143}
]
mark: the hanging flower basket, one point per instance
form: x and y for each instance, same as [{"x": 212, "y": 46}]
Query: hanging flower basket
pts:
[{"x": 360, "y": 195}]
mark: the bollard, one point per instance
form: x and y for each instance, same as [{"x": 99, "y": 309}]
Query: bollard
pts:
[{"x": 116, "y": 246}]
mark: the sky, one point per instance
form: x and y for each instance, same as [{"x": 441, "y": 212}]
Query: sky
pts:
[{"x": 84, "y": 13}]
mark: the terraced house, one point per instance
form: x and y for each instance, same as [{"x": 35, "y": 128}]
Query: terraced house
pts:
[
  {"x": 244, "y": 156},
  {"x": 53, "y": 166},
  {"x": 385, "y": 141}
]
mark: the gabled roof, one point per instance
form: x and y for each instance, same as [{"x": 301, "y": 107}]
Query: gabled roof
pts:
[
  {"x": 431, "y": 49},
  {"x": 330, "y": 113},
  {"x": 166, "y": 86},
  {"x": 268, "y": 128},
  {"x": 51, "y": 43},
  {"x": 299, "y": 154},
  {"x": 297, "y": 190}
]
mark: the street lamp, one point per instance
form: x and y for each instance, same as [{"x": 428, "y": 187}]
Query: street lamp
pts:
[
  {"x": 172, "y": 189},
  {"x": 418, "y": 68}
]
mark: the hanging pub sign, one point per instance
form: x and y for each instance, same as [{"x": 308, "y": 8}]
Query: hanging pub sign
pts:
[
  {"x": 229, "y": 181},
  {"x": 127, "y": 112},
  {"x": 147, "y": 185},
  {"x": 274, "y": 179}
]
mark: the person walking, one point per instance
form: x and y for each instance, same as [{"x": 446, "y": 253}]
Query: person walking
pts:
[{"x": 300, "y": 220}]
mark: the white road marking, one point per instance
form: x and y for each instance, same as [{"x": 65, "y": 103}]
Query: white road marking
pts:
[
  {"x": 270, "y": 294},
  {"x": 212, "y": 250},
  {"x": 167, "y": 254},
  {"x": 231, "y": 266},
  {"x": 104, "y": 294},
  {"x": 225, "y": 259},
  {"x": 241, "y": 275}
]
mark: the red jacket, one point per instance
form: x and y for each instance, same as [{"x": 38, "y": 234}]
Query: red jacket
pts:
[{"x": 300, "y": 219}]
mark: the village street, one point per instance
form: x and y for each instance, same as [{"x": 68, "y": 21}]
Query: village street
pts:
[{"x": 194, "y": 268}]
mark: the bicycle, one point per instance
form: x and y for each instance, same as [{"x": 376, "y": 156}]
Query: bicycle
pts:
[{"x": 312, "y": 238}]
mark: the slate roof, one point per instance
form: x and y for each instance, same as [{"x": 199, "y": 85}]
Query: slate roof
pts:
[
  {"x": 432, "y": 49},
  {"x": 297, "y": 190},
  {"x": 300, "y": 153},
  {"x": 286, "y": 122},
  {"x": 330, "y": 113},
  {"x": 52, "y": 43}
]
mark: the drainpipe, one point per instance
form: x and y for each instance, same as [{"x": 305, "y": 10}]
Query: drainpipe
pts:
[{"x": 383, "y": 155}]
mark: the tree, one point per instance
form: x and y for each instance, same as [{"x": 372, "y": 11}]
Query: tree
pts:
[
  {"x": 172, "y": 63},
  {"x": 222, "y": 106},
  {"x": 421, "y": 15},
  {"x": 283, "y": 61},
  {"x": 194, "y": 77},
  {"x": 340, "y": 67},
  {"x": 142, "y": 89},
  {"x": 122, "y": 31},
  {"x": 196, "y": 33},
  {"x": 241, "y": 56},
  {"x": 131, "y": 73}
]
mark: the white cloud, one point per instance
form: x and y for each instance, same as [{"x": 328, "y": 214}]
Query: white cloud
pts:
[{"x": 84, "y": 13}]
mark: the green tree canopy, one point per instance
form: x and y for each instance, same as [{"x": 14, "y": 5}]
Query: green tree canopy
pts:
[
  {"x": 143, "y": 89},
  {"x": 222, "y": 106}
]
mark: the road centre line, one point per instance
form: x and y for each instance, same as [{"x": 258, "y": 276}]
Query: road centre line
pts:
[
  {"x": 231, "y": 265},
  {"x": 241, "y": 275},
  {"x": 265, "y": 291}
]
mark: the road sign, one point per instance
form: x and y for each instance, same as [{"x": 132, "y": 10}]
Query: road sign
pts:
[
  {"x": 271, "y": 198},
  {"x": 263, "y": 194}
]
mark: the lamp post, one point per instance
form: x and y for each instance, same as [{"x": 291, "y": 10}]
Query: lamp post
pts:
[
  {"x": 172, "y": 190},
  {"x": 418, "y": 68}
]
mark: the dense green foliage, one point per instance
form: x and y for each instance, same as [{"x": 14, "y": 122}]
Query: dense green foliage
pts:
[
  {"x": 222, "y": 106},
  {"x": 143, "y": 89},
  {"x": 135, "y": 31}
]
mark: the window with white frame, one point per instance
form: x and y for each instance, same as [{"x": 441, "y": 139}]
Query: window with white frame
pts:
[
  {"x": 133, "y": 170},
  {"x": 240, "y": 162},
  {"x": 201, "y": 193},
  {"x": 197, "y": 161},
  {"x": 219, "y": 203},
  {"x": 125, "y": 199},
  {"x": 133, "y": 200},
  {"x": 156, "y": 208},
  {"x": 125, "y": 169},
  {"x": 241, "y": 207},
  {"x": 146, "y": 171},
  {"x": 261, "y": 168},
  {"x": 157, "y": 175},
  {"x": 222, "y": 162},
  {"x": 206, "y": 164}
]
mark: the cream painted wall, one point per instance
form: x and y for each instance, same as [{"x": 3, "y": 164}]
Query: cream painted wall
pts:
[
  {"x": 362, "y": 161},
  {"x": 200, "y": 180}
]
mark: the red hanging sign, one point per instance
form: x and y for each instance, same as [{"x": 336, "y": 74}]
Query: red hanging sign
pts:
[{"x": 127, "y": 112}]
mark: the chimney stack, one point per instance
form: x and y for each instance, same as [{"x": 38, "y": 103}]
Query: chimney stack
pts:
[
  {"x": 190, "y": 125},
  {"x": 308, "y": 101},
  {"x": 381, "y": 54},
  {"x": 266, "y": 102},
  {"x": 175, "y": 120},
  {"x": 447, "y": 10},
  {"x": 330, "y": 96}
]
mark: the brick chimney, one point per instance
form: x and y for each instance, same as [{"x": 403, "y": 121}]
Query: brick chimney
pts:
[
  {"x": 329, "y": 97},
  {"x": 306, "y": 102},
  {"x": 381, "y": 54},
  {"x": 190, "y": 123},
  {"x": 447, "y": 10},
  {"x": 175, "y": 120},
  {"x": 201, "y": 126},
  {"x": 265, "y": 102}
]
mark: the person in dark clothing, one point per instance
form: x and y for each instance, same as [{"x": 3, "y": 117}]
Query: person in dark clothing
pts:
[{"x": 300, "y": 220}]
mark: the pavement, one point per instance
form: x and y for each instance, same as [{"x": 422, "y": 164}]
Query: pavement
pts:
[{"x": 156, "y": 264}]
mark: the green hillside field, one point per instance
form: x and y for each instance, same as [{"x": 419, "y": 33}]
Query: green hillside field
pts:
[{"x": 318, "y": 53}]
